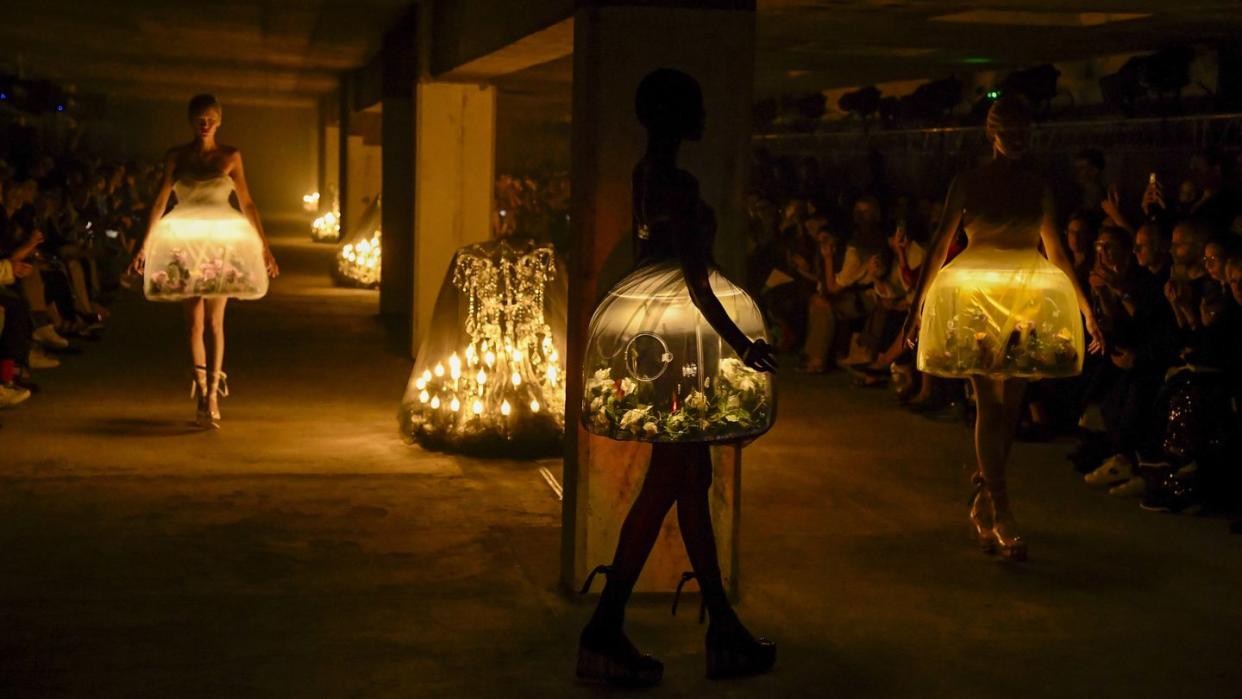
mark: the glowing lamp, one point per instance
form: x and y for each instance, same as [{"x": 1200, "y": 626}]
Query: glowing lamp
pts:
[{"x": 504, "y": 408}]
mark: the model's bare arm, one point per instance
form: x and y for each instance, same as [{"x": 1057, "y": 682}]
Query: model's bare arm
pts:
[
  {"x": 1056, "y": 255},
  {"x": 238, "y": 172}
]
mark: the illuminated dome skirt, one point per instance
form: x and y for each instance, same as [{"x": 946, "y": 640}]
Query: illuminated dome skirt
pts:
[
  {"x": 656, "y": 371},
  {"x": 359, "y": 257},
  {"x": 488, "y": 379},
  {"x": 204, "y": 247},
  {"x": 1001, "y": 313}
]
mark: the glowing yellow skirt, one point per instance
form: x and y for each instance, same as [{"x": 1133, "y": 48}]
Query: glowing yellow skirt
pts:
[
  {"x": 1001, "y": 313},
  {"x": 209, "y": 251}
]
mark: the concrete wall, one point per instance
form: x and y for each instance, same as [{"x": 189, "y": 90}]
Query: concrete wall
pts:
[{"x": 280, "y": 145}]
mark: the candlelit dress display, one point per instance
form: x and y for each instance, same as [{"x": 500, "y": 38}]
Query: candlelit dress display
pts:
[
  {"x": 204, "y": 247},
  {"x": 359, "y": 258},
  {"x": 489, "y": 378},
  {"x": 1001, "y": 312}
]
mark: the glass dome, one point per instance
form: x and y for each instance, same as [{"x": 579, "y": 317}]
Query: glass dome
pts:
[
  {"x": 1006, "y": 313},
  {"x": 489, "y": 378},
  {"x": 656, "y": 371}
]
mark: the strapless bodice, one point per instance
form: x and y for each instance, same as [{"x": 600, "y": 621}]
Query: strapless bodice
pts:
[{"x": 209, "y": 192}]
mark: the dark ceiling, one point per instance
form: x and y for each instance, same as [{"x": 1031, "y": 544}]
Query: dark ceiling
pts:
[{"x": 282, "y": 51}]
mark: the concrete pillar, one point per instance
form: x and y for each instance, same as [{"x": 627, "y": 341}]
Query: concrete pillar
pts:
[
  {"x": 400, "y": 74},
  {"x": 345, "y": 110},
  {"x": 616, "y": 43},
  {"x": 454, "y": 183}
]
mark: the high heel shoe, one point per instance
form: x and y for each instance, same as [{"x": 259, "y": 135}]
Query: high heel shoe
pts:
[
  {"x": 198, "y": 393},
  {"x": 605, "y": 654},
  {"x": 217, "y": 388},
  {"x": 1010, "y": 543},
  {"x": 981, "y": 516},
  {"x": 732, "y": 651}
]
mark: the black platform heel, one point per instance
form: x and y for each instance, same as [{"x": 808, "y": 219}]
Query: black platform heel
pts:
[
  {"x": 605, "y": 654},
  {"x": 732, "y": 651}
]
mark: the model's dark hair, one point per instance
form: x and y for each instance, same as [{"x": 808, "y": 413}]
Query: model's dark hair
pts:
[
  {"x": 668, "y": 100},
  {"x": 201, "y": 103}
]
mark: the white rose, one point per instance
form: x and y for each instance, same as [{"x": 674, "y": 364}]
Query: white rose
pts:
[
  {"x": 597, "y": 405},
  {"x": 651, "y": 428},
  {"x": 632, "y": 417},
  {"x": 602, "y": 375},
  {"x": 696, "y": 401},
  {"x": 628, "y": 386},
  {"x": 601, "y": 421}
]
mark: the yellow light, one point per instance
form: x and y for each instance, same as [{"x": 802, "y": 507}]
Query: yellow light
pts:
[
  {"x": 483, "y": 346},
  {"x": 504, "y": 408},
  {"x": 477, "y": 407},
  {"x": 455, "y": 405},
  {"x": 435, "y": 403},
  {"x": 547, "y": 344},
  {"x": 439, "y": 370},
  {"x": 455, "y": 372},
  {"x": 481, "y": 377},
  {"x": 426, "y": 375},
  {"x": 552, "y": 375},
  {"x": 489, "y": 359},
  {"x": 516, "y": 379},
  {"x": 420, "y": 384},
  {"x": 455, "y": 365},
  {"x": 554, "y": 356},
  {"x": 517, "y": 355},
  {"x": 423, "y": 397},
  {"x": 534, "y": 405}
]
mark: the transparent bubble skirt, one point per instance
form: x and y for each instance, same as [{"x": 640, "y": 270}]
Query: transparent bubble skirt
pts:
[
  {"x": 1001, "y": 313},
  {"x": 204, "y": 247},
  {"x": 656, "y": 371}
]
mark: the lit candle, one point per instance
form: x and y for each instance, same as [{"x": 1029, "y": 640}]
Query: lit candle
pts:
[
  {"x": 420, "y": 384},
  {"x": 435, "y": 403},
  {"x": 504, "y": 408},
  {"x": 534, "y": 406},
  {"x": 516, "y": 379},
  {"x": 426, "y": 375},
  {"x": 423, "y": 397},
  {"x": 439, "y": 370},
  {"x": 489, "y": 358},
  {"x": 553, "y": 356},
  {"x": 477, "y": 407},
  {"x": 481, "y": 377},
  {"x": 455, "y": 405},
  {"x": 552, "y": 375},
  {"x": 517, "y": 355}
]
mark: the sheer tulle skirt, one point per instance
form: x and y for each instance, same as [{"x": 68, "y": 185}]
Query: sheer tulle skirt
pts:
[
  {"x": 1002, "y": 313},
  {"x": 656, "y": 371},
  {"x": 210, "y": 251}
]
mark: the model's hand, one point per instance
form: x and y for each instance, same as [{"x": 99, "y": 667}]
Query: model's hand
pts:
[
  {"x": 910, "y": 329},
  {"x": 1098, "y": 343},
  {"x": 21, "y": 270},
  {"x": 273, "y": 270},
  {"x": 759, "y": 356},
  {"x": 139, "y": 264}
]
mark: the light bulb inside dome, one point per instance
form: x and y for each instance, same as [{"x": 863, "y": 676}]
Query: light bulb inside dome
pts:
[
  {"x": 481, "y": 377},
  {"x": 489, "y": 358},
  {"x": 534, "y": 406},
  {"x": 426, "y": 375},
  {"x": 504, "y": 408},
  {"x": 439, "y": 370},
  {"x": 435, "y": 403},
  {"x": 420, "y": 384},
  {"x": 516, "y": 379},
  {"x": 423, "y": 396},
  {"x": 552, "y": 375},
  {"x": 477, "y": 407},
  {"x": 454, "y": 405}
]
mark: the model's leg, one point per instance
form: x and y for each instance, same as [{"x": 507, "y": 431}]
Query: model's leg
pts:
[
  {"x": 216, "y": 387},
  {"x": 731, "y": 650},
  {"x": 604, "y": 651},
  {"x": 198, "y": 354},
  {"x": 998, "y": 403}
]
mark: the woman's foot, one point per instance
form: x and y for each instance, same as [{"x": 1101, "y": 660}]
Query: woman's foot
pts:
[
  {"x": 732, "y": 651},
  {"x": 198, "y": 392},
  {"x": 1009, "y": 542},
  {"x": 217, "y": 388},
  {"x": 605, "y": 654},
  {"x": 981, "y": 516}
]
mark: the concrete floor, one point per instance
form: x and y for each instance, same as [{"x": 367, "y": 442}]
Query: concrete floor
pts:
[{"x": 303, "y": 550}]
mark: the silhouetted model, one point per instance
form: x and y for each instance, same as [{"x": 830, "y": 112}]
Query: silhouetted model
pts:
[
  {"x": 1000, "y": 313},
  {"x": 204, "y": 251},
  {"x": 665, "y": 363}
]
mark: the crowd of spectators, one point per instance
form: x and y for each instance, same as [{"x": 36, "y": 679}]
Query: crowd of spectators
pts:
[
  {"x": 1156, "y": 417},
  {"x": 533, "y": 205},
  {"x": 66, "y": 228}
]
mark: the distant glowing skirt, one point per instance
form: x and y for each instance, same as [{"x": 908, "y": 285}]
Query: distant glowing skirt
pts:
[
  {"x": 210, "y": 251},
  {"x": 1001, "y": 313},
  {"x": 656, "y": 371}
]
